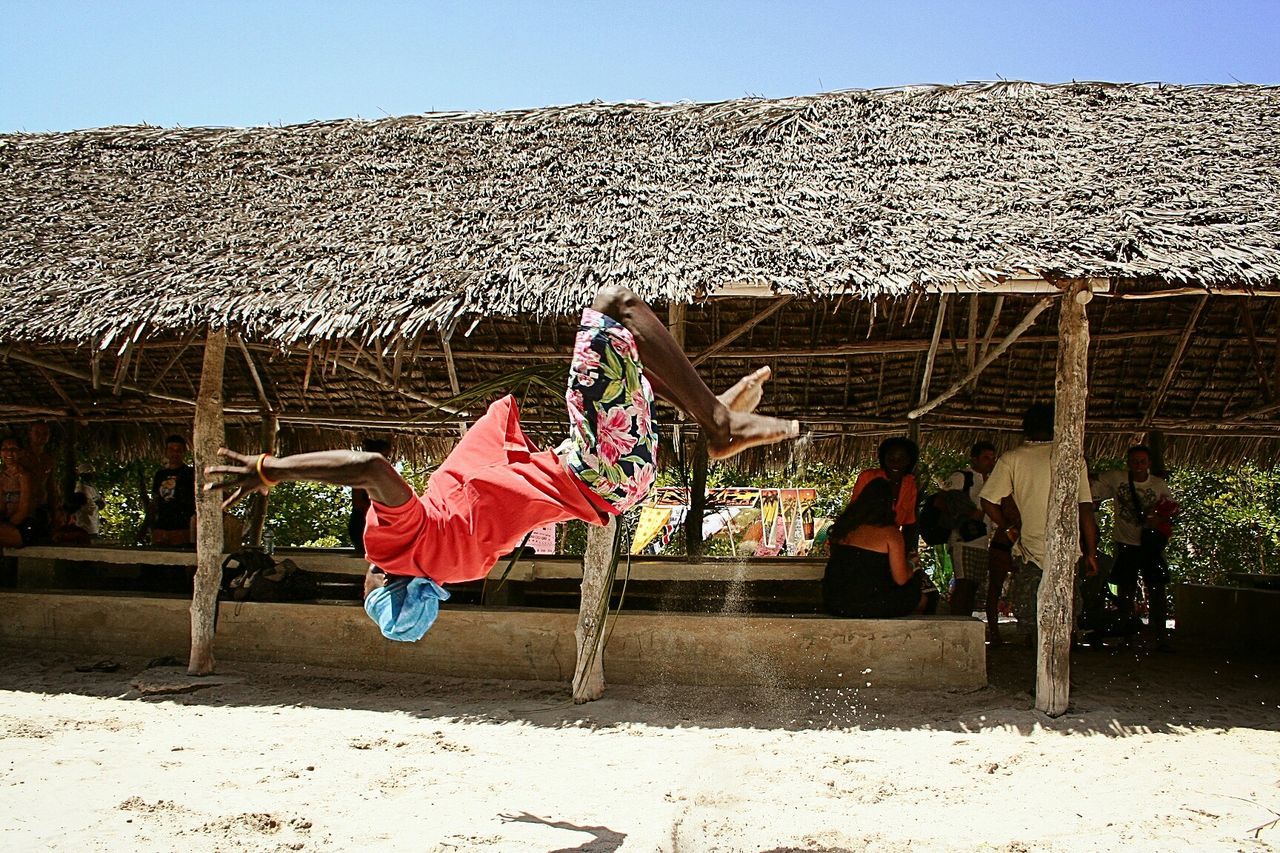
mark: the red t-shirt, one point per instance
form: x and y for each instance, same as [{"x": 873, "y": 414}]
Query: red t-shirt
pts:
[{"x": 492, "y": 489}]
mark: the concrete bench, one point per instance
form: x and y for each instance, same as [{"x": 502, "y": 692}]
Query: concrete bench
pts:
[
  {"x": 1243, "y": 618},
  {"x": 539, "y": 567},
  {"x": 524, "y": 643}
]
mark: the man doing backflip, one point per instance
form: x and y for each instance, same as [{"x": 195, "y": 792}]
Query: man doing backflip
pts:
[{"x": 496, "y": 485}]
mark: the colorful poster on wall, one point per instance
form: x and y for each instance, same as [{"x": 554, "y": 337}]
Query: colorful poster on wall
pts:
[
  {"x": 774, "y": 521},
  {"x": 543, "y": 539},
  {"x": 652, "y": 520}
]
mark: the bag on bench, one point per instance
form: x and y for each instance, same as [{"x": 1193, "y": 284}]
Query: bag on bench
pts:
[{"x": 251, "y": 575}]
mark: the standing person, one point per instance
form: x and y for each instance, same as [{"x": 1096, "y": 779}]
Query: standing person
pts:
[
  {"x": 1140, "y": 500},
  {"x": 15, "y": 496},
  {"x": 88, "y": 514},
  {"x": 1024, "y": 473},
  {"x": 496, "y": 485},
  {"x": 969, "y": 541},
  {"x": 898, "y": 457},
  {"x": 171, "y": 513},
  {"x": 1000, "y": 565},
  {"x": 868, "y": 575},
  {"x": 360, "y": 497}
]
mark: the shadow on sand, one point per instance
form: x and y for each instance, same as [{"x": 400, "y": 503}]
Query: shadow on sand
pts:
[{"x": 1114, "y": 694}]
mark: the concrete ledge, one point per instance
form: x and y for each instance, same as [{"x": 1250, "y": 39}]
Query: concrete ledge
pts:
[
  {"x": 541, "y": 567},
  {"x": 1235, "y": 617},
  {"x": 476, "y": 642}
]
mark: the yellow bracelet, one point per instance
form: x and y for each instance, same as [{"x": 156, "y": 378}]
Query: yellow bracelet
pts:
[{"x": 266, "y": 481}]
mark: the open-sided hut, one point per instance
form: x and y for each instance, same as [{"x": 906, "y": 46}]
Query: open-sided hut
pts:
[{"x": 877, "y": 247}]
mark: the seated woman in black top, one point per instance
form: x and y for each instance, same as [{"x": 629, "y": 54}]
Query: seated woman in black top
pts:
[{"x": 867, "y": 575}]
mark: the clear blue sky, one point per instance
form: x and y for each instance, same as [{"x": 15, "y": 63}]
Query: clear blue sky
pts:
[{"x": 66, "y": 65}]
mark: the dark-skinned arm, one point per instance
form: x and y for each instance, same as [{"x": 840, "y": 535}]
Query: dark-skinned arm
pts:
[
  {"x": 24, "y": 499},
  {"x": 369, "y": 471}
]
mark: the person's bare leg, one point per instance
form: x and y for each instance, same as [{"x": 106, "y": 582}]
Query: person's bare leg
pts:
[
  {"x": 729, "y": 430},
  {"x": 744, "y": 396},
  {"x": 995, "y": 586}
]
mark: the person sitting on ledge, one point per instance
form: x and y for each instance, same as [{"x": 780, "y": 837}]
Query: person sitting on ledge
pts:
[
  {"x": 16, "y": 500},
  {"x": 496, "y": 486},
  {"x": 868, "y": 575}
]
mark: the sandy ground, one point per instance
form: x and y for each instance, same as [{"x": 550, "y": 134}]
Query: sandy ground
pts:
[{"x": 1160, "y": 752}]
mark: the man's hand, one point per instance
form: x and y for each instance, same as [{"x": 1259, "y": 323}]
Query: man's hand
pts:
[
  {"x": 1091, "y": 564},
  {"x": 244, "y": 481}
]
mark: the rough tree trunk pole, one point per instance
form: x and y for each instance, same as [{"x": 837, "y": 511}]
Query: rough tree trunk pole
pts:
[
  {"x": 1063, "y": 533},
  {"x": 208, "y": 438},
  {"x": 694, "y": 545},
  {"x": 257, "y": 516},
  {"x": 588, "y": 672}
]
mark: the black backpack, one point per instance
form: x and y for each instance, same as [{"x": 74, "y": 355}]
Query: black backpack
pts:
[
  {"x": 946, "y": 510},
  {"x": 251, "y": 575}
]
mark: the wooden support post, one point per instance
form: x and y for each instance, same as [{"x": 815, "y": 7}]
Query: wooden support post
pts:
[
  {"x": 697, "y": 500},
  {"x": 597, "y": 584},
  {"x": 1158, "y": 444},
  {"x": 1054, "y": 619},
  {"x": 256, "y": 518},
  {"x": 69, "y": 475},
  {"x": 208, "y": 438}
]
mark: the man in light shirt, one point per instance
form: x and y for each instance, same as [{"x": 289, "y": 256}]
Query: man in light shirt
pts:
[
  {"x": 1135, "y": 494},
  {"x": 1024, "y": 473}
]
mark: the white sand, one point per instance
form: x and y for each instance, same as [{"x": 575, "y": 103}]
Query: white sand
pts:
[{"x": 1161, "y": 753}]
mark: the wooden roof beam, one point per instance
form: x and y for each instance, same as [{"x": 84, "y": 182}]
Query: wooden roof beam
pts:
[
  {"x": 1172, "y": 369},
  {"x": 452, "y": 369},
  {"x": 777, "y": 305},
  {"x": 57, "y": 388},
  {"x": 168, "y": 365},
  {"x": 1015, "y": 285},
  {"x": 373, "y": 376},
  {"x": 1259, "y": 362},
  {"x": 253, "y": 374},
  {"x": 933, "y": 349},
  {"x": 1026, "y": 323}
]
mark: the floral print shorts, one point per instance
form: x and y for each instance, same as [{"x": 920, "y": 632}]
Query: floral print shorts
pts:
[{"x": 612, "y": 443}]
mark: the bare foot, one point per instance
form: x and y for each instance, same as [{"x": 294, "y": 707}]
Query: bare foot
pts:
[
  {"x": 748, "y": 430},
  {"x": 745, "y": 395}
]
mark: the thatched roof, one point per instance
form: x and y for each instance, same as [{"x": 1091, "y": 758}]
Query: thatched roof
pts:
[
  {"x": 337, "y": 252},
  {"x": 362, "y": 228}
]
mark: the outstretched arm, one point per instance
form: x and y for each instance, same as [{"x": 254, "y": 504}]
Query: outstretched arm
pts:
[{"x": 369, "y": 471}]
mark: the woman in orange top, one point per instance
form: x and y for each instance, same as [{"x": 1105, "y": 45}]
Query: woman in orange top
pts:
[{"x": 898, "y": 458}]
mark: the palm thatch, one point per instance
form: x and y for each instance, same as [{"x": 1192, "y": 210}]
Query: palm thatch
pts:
[{"x": 371, "y": 269}]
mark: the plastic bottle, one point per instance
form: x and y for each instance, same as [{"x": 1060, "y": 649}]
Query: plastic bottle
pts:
[{"x": 268, "y": 542}]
